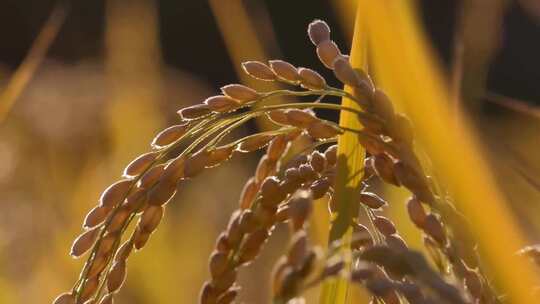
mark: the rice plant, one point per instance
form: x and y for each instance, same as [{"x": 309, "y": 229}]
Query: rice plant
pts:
[{"x": 365, "y": 247}]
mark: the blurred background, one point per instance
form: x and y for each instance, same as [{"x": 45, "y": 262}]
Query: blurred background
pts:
[{"x": 85, "y": 85}]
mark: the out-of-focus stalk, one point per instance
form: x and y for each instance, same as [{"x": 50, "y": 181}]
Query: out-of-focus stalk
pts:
[
  {"x": 133, "y": 66},
  {"x": 242, "y": 43},
  {"x": 405, "y": 68},
  {"x": 17, "y": 83}
]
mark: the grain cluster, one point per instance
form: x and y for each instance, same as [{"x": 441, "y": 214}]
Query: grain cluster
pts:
[{"x": 283, "y": 189}]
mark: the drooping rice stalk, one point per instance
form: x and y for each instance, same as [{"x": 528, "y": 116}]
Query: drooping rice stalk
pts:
[{"x": 375, "y": 142}]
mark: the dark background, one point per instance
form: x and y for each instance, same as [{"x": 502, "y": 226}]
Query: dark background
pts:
[{"x": 188, "y": 31}]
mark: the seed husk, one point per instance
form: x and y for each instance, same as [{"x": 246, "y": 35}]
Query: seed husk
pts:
[
  {"x": 162, "y": 193},
  {"x": 140, "y": 238},
  {"x": 228, "y": 297},
  {"x": 140, "y": 164},
  {"x": 116, "y": 276},
  {"x": 345, "y": 73},
  {"x": 254, "y": 142},
  {"x": 252, "y": 246},
  {"x": 413, "y": 181},
  {"x": 136, "y": 200},
  {"x": 416, "y": 211},
  {"x": 271, "y": 192},
  {"x": 99, "y": 263},
  {"x": 285, "y": 71},
  {"x": 117, "y": 221},
  {"x": 174, "y": 170},
  {"x": 225, "y": 281},
  {"x": 328, "y": 51},
  {"x": 279, "y": 268},
  {"x": 473, "y": 283},
  {"x": 219, "y": 155},
  {"x": 307, "y": 173},
  {"x": 384, "y": 168},
  {"x": 331, "y": 155},
  {"x": 196, "y": 163},
  {"x": 294, "y": 134},
  {"x": 366, "y": 87},
  {"x": 266, "y": 215},
  {"x": 292, "y": 166},
  {"x": 372, "y": 200},
  {"x": 65, "y": 298},
  {"x": 151, "y": 177},
  {"x": 277, "y": 147},
  {"x": 124, "y": 251},
  {"x": 107, "y": 243},
  {"x": 320, "y": 187},
  {"x": 384, "y": 225},
  {"x": 301, "y": 205},
  {"x": 96, "y": 216},
  {"x": 221, "y": 103},
  {"x": 222, "y": 243},
  {"x": 382, "y": 106},
  {"x": 299, "y": 118},
  {"x": 249, "y": 192},
  {"x": 265, "y": 168},
  {"x": 317, "y": 161},
  {"x": 401, "y": 129},
  {"x": 208, "y": 294},
  {"x": 286, "y": 284},
  {"x": 313, "y": 264},
  {"x": 240, "y": 93},
  {"x": 292, "y": 180},
  {"x": 234, "y": 233},
  {"x": 311, "y": 80},
  {"x": 323, "y": 129},
  {"x": 194, "y": 112},
  {"x": 395, "y": 242},
  {"x": 258, "y": 70},
  {"x": 169, "y": 135},
  {"x": 298, "y": 249},
  {"x": 115, "y": 193},
  {"x": 433, "y": 227},
  {"x": 318, "y": 31},
  {"x": 279, "y": 117},
  {"x": 84, "y": 242},
  {"x": 89, "y": 288},
  {"x": 151, "y": 218},
  {"x": 248, "y": 222},
  {"x": 218, "y": 263}
]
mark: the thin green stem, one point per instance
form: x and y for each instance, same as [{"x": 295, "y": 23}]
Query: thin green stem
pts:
[{"x": 273, "y": 132}]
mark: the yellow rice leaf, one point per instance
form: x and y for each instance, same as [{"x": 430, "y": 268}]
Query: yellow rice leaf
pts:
[{"x": 407, "y": 71}]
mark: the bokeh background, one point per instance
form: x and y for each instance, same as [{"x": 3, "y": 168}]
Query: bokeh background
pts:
[{"x": 89, "y": 98}]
